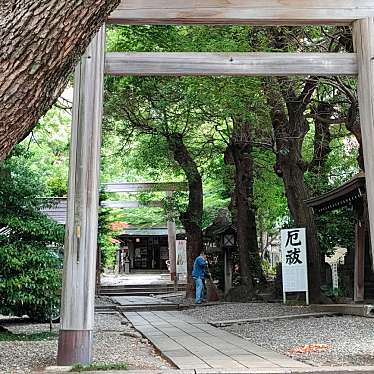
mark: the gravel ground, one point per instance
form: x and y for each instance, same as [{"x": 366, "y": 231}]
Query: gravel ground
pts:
[
  {"x": 103, "y": 300},
  {"x": 112, "y": 345},
  {"x": 351, "y": 338},
  {"x": 230, "y": 311}
]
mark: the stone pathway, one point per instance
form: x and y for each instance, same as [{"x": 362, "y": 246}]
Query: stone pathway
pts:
[
  {"x": 125, "y": 304},
  {"x": 140, "y": 300},
  {"x": 192, "y": 344},
  {"x": 143, "y": 303}
]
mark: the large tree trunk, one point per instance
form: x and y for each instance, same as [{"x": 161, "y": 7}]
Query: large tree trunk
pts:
[
  {"x": 244, "y": 214},
  {"x": 40, "y": 43},
  {"x": 322, "y": 138},
  {"x": 193, "y": 217},
  {"x": 297, "y": 193},
  {"x": 290, "y": 128},
  {"x": 354, "y": 127}
]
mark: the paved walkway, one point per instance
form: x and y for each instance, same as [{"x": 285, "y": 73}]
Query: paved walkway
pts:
[
  {"x": 192, "y": 344},
  {"x": 140, "y": 300}
]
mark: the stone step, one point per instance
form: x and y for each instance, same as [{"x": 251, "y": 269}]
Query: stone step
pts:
[
  {"x": 363, "y": 310},
  {"x": 147, "y": 307},
  {"x": 111, "y": 308},
  {"x": 133, "y": 293},
  {"x": 139, "y": 290},
  {"x": 142, "y": 286},
  {"x": 273, "y": 318}
]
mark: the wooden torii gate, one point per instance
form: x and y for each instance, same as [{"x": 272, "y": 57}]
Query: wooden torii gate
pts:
[{"x": 75, "y": 339}]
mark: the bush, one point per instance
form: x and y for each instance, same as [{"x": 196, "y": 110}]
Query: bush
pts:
[
  {"x": 106, "y": 234},
  {"x": 268, "y": 270},
  {"x": 30, "y": 243}
]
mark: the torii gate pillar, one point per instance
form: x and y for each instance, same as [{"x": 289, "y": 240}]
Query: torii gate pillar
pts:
[
  {"x": 78, "y": 296},
  {"x": 363, "y": 37}
]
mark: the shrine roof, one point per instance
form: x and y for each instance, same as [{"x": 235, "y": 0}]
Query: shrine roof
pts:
[{"x": 339, "y": 197}]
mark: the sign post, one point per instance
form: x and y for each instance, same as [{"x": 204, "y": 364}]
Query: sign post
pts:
[
  {"x": 294, "y": 262},
  {"x": 334, "y": 261},
  {"x": 181, "y": 252}
]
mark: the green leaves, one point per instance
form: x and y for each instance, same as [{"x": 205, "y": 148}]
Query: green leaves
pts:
[{"x": 30, "y": 263}]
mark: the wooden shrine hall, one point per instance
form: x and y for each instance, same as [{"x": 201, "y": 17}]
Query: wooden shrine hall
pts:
[
  {"x": 352, "y": 194},
  {"x": 77, "y": 311}
]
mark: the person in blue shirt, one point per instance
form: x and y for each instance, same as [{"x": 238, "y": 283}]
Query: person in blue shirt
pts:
[{"x": 198, "y": 274}]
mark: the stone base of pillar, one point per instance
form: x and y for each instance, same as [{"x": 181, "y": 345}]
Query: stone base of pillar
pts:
[{"x": 74, "y": 347}]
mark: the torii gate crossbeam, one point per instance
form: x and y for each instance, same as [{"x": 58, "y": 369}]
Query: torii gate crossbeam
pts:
[{"x": 241, "y": 12}]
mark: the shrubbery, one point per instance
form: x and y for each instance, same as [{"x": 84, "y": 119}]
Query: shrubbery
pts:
[{"x": 30, "y": 243}]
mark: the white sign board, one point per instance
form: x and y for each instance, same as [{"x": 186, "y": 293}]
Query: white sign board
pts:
[
  {"x": 294, "y": 261},
  {"x": 181, "y": 253}
]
